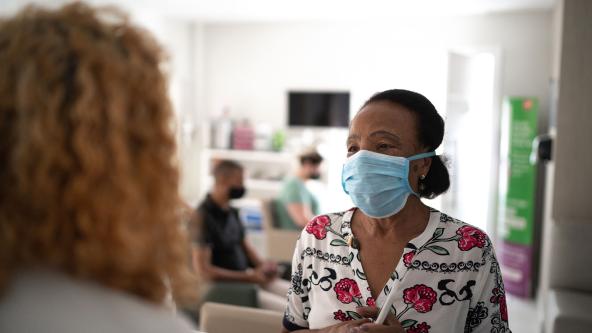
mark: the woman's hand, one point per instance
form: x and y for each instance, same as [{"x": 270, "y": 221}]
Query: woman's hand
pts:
[
  {"x": 346, "y": 326},
  {"x": 343, "y": 327},
  {"x": 391, "y": 324}
]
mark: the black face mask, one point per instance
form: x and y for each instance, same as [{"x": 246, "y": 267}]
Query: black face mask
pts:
[
  {"x": 236, "y": 192},
  {"x": 314, "y": 176}
]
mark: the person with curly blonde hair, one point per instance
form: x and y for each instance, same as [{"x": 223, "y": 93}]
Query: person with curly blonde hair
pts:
[{"x": 90, "y": 238}]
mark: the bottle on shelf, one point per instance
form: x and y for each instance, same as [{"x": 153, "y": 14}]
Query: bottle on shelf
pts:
[
  {"x": 243, "y": 136},
  {"x": 222, "y": 130}
]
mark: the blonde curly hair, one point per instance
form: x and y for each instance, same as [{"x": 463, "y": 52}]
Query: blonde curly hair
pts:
[{"x": 88, "y": 176}]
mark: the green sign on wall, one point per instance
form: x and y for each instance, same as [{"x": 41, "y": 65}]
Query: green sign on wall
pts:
[{"x": 517, "y": 175}]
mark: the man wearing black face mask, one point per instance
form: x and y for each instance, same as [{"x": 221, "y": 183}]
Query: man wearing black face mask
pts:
[
  {"x": 296, "y": 205},
  {"x": 221, "y": 252}
]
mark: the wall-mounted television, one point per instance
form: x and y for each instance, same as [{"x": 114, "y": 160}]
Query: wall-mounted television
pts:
[{"x": 320, "y": 109}]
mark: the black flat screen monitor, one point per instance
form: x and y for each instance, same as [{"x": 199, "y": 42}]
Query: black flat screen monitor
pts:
[{"x": 320, "y": 109}]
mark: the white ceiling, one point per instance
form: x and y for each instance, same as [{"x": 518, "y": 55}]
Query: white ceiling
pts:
[{"x": 283, "y": 10}]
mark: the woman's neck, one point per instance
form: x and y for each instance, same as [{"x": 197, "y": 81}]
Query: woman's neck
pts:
[{"x": 407, "y": 224}]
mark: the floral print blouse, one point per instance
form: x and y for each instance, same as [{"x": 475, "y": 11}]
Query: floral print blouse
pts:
[{"x": 448, "y": 279}]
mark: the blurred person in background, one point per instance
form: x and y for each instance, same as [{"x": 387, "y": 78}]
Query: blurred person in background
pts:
[
  {"x": 90, "y": 238},
  {"x": 296, "y": 205},
  {"x": 221, "y": 252}
]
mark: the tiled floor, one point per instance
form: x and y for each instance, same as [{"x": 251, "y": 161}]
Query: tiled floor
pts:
[{"x": 523, "y": 315}]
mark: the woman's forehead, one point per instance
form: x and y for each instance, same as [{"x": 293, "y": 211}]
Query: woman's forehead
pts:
[{"x": 383, "y": 116}]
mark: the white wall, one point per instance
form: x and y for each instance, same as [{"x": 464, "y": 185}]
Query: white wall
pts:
[
  {"x": 181, "y": 42},
  {"x": 250, "y": 66}
]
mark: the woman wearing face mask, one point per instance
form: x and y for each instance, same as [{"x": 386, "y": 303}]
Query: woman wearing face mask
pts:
[
  {"x": 221, "y": 252},
  {"x": 443, "y": 273}
]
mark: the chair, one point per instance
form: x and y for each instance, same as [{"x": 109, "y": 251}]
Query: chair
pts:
[
  {"x": 280, "y": 243},
  {"x": 222, "y": 318}
]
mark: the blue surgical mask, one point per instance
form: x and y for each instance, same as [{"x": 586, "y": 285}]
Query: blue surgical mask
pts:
[{"x": 378, "y": 184}]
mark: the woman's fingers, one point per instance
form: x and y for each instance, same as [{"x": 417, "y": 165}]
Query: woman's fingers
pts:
[
  {"x": 358, "y": 322},
  {"x": 372, "y": 312},
  {"x": 391, "y": 324},
  {"x": 391, "y": 320},
  {"x": 376, "y": 328},
  {"x": 352, "y": 326},
  {"x": 368, "y": 311}
]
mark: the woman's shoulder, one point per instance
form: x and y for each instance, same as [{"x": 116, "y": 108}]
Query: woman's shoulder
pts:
[
  {"x": 450, "y": 223},
  {"x": 461, "y": 237}
]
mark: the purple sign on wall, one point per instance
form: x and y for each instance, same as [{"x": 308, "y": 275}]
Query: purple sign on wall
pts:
[{"x": 516, "y": 265}]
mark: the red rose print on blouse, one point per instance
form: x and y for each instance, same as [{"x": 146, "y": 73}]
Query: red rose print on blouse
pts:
[
  {"x": 370, "y": 302},
  {"x": 421, "y": 297},
  {"x": 420, "y": 328},
  {"x": 503, "y": 308},
  {"x": 341, "y": 316},
  {"x": 317, "y": 226},
  {"x": 408, "y": 258},
  {"x": 470, "y": 237},
  {"x": 500, "y": 298},
  {"x": 347, "y": 290}
]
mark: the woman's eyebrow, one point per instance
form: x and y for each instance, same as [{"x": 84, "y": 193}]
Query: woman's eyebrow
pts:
[
  {"x": 352, "y": 137},
  {"x": 388, "y": 134}
]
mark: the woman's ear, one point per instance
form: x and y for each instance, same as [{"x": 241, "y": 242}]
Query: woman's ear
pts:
[
  {"x": 425, "y": 165},
  {"x": 422, "y": 166}
]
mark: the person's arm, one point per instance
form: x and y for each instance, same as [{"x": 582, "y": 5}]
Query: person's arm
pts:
[
  {"x": 299, "y": 213},
  {"x": 330, "y": 329},
  {"x": 267, "y": 267},
  {"x": 202, "y": 258},
  {"x": 488, "y": 311},
  {"x": 344, "y": 327},
  {"x": 391, "y": 325},
  {"x": 284, "y": 330},
  {"x": 252, "y": 254},
  {"x": 298, "y": 210},
  {"x": 325, "y": 330}
]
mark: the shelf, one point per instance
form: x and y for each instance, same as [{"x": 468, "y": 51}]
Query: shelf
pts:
[
  {"x": 263, "y": 185},
  {"x": 256, "y": 185},
  {"x": 251, "y": 155},
  {"x": 264, "y": 170}
]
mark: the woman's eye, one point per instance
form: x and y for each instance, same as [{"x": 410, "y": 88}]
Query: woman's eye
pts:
[
  {"x": 383, "y": 146},
  {"x": 352, "y": 149}
]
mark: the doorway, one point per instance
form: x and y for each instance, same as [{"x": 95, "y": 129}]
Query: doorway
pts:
[{"x": 471, "y": 141}]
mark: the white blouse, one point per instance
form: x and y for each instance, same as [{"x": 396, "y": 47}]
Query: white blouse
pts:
[{"x": 448, "y": 279}]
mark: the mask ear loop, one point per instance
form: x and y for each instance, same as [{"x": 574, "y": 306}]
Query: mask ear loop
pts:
[{"x": 422, "y": 155}]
